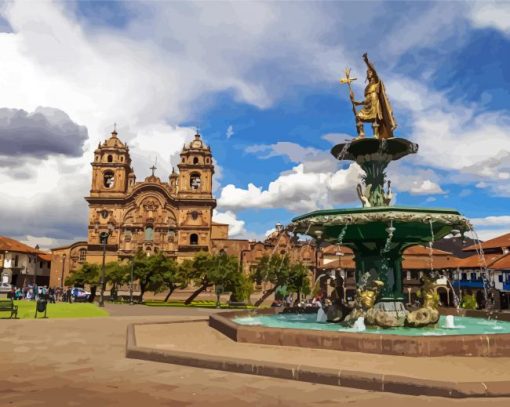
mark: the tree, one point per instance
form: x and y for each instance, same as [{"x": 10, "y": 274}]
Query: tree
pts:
[
  {"x": 86, "y": 274},
  {"x": 273, "y": 269},
  {"x": 116, "y": 274},
  {"x": 242, "y": 289},
  {"x": 213, "y": 269},
  {"x": 175, "y": 276},
  {"x": 298, "y": 280},
  {"x": 145, "y": 271}
]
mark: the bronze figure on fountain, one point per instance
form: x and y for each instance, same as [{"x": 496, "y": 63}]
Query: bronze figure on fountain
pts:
[{"x": 376, "y": 105}]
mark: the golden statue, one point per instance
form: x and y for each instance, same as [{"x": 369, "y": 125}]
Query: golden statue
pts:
[
  {"x": 366, "y": 298},
  {"x": 376, "y": 106},
  {"x": 428, "y": 314}
]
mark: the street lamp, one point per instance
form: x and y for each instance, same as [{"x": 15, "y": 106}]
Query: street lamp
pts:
[
  {"x": 103, "y": 238},
  {"x": 62, "y": 272},
  {"x": 318, "y": 239},
  {"x": 131, "y": 281}
]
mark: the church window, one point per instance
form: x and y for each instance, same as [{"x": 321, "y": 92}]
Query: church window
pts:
[
  {"x": 183, "y": 159},
  {"x": 195, "y": 160},
  {"x": 194, "y": 215},
  {"x": 149, "y": 233},
  {"x": 171, "y": 235},
  {"x": 121, "y": 159},
  {"x": 83, "y": 255},
  {"x": 193, "y": 239},
  {"x": 108, "y": 179},
  {"x": 110, "y": 158},
  {"x": 127, "y": 236},
  {"x": 97, "y": 158},
  {"x": 194, "y": 181}
]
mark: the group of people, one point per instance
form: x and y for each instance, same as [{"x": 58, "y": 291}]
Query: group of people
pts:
[
  {"x": 318, "y": 301},
  {"x": 34, "y": 292}
]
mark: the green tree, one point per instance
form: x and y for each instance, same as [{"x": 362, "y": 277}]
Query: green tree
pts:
[
  {"x": 208, "y": 270},
  {"x": 469, "y": 301},
  {"x": 175, "y": 276},
  {"x": 274, "y": 269},
  {"x": 242, "y": 289},
  {"x": 86, "y": 274},
  {"x": 145, "y": 270},
  {"x": 116, "y": 274},
  {"x": 299, "y": 281}
]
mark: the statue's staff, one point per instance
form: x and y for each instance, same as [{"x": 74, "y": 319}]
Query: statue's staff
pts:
[{"x": 347, "y": 80}]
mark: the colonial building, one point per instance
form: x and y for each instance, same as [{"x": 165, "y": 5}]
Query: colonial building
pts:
[
  {"x": 65, "y": 260},
  {"x": 21, "y": 264},
  {"x": 172, "y": 216}
]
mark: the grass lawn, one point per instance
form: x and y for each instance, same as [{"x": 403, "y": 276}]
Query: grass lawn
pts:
[
  {"x": 197, "y": 304},
  {"x": 26, "y": 310}
]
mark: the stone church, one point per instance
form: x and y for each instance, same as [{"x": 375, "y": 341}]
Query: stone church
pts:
[{"x": 172, "y": 216}]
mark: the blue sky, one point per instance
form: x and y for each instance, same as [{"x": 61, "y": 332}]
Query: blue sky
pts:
[{"x": 260, "y": 80}]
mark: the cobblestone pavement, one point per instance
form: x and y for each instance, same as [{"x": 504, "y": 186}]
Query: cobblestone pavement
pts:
[{"x": 78, "y": 362}]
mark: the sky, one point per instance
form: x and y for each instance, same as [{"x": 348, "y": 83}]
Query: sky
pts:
[{"x": 260, "y": 80}]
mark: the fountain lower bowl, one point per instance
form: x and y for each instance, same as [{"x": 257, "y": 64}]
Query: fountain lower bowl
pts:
[
  {"x": 415, "y": 342},
  {"x": 412, "y": 225}
]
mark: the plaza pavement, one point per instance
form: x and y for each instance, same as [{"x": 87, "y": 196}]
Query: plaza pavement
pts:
[{"x": 78, "y": 362}]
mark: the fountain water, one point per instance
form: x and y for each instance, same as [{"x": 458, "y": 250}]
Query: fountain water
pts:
[
  {"x": 359, "y": 325},
  {"x": 450, "y": 322}
]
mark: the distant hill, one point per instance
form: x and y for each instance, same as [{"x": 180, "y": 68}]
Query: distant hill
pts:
[{"x": 455, "y": 245}]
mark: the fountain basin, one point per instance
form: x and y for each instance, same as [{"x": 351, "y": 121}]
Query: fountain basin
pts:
[
  {"x": 412, "y": 225},
  {"x": 399, "y": 341}
]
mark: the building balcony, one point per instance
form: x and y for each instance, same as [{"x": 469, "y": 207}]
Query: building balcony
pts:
[
  {"x": 506, "y": 286},
  {"x": 467, "y": 284}
]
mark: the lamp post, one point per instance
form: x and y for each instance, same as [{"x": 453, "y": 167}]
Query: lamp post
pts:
[
  {"x": 131, "y": 281},
  {"x": 62, "y": 272},
  {"x": 103, "y": 237},
  {"x": 318, "y": 235}
]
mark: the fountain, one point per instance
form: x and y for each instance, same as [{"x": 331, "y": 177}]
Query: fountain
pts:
[{"x": 378, "y": 233}]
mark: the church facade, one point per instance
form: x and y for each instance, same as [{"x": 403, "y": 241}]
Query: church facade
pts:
[{"x": 171, "y": 216}]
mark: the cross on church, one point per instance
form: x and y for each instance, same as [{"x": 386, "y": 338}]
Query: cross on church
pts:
[{"x": 153, "y": 168}]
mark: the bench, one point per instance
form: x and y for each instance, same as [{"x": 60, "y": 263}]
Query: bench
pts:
[{"x": 8, "y": 305}]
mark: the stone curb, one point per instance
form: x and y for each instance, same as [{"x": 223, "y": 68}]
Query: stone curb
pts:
[
  {"x": 344, "y": 378},
  {"x": 428, "y": 346}
]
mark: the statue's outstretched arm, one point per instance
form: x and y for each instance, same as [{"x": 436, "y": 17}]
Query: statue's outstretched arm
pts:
[{"x": 369, "y": 64}]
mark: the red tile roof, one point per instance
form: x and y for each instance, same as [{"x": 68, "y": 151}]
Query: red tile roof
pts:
[
  {"x": 503, "y": 263},
  {"x": 475, "y": 261},
  {"x": 497, "y": 242},
  {"x": 11, "y": 245},
  {"x": 44, "y": 256}
]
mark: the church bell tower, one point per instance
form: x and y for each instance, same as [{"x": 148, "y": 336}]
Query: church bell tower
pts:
[{"x": 111, "y": 168}]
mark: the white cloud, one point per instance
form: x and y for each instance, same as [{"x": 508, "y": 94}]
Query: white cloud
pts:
[
  {"x": 490, "y": 227},
  {"x": 487, "y": 234},
  {"x": 415, "y": 180},
  {"x": 236, "y": 226},
  {"x": 492, "y": 221},
  {"x": 295, "y": 190},
  {"x": 491, "y": 14},
  {"x": 472, "y": 145},
  {"x": 313, "y": 160},
  {"x": 45, "y": 243},
  {"x": 230, "y": 131}
]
